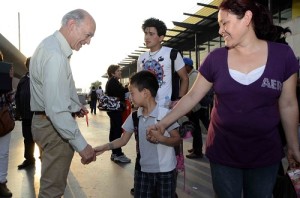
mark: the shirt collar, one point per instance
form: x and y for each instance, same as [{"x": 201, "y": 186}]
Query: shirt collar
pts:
[
  {"x": 67, "y": 50},
  {"x": 153, "y": 114}
]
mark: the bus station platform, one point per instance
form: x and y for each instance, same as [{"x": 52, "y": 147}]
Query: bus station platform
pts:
[{"x": 102, "y": 178}]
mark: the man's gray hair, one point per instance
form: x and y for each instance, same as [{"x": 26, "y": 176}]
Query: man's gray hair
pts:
[{"x": 77, "y": 15}]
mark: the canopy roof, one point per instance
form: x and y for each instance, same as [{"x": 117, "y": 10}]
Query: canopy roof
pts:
[{"x": 199, "y": 31}]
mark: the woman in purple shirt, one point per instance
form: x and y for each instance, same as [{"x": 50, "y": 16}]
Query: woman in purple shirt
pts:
[{"x": 255, "y": 87}]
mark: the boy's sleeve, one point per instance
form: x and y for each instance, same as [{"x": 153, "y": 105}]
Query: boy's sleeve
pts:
[
  {"x": 128, "y": 124},
  {"x": 173, "y": 126}
]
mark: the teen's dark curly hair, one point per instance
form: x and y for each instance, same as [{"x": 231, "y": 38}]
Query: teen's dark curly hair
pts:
[{"x": 158, "y": 24}]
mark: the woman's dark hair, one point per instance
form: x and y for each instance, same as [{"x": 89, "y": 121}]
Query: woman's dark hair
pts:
[
  {"x": 1, "y": 56},
  {"x": 27, "y": 63},
  {"x": 112, "y": 69},
  {"x": 145, "y": 80},
  {"x": 262, "y": 20},
  {"x": 158, "y": 24}
]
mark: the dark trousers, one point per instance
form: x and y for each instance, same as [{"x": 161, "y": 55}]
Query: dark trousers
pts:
[
  {"x": 115, "y": 131},
  {"x": 93, "y": 106},
  {"x": 231, "y": 182},
  {"x": 194, "y": 117},
  {"x": 203, "y": 115},
  {"x": 28, "y": 141}
]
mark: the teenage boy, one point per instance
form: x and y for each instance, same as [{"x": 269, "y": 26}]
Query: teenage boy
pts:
[
  {"x": 155, "y": 173},
  {"x": 158, "y": 60}
]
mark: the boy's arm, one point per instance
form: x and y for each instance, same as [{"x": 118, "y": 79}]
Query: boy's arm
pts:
[{"x": 117, "y": 143}]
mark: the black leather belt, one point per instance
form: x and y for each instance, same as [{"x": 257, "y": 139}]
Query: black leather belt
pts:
[
  {"x": 44, "y": 113},
  {"x": 39, "y": 112}
]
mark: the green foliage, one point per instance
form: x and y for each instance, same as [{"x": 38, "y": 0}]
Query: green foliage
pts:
[{"x": 96, "y": 84}]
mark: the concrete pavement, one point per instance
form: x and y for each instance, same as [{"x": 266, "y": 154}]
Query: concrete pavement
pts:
[{"x": 103, "y": 178}]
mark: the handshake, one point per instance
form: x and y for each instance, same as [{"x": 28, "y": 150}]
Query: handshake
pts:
[{"x": 89, "y": 154}]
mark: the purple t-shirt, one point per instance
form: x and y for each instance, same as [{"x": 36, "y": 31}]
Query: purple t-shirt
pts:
[{"x": 243, "y": 131}]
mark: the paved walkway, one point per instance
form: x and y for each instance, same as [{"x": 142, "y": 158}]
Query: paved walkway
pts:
[{"x": 103, "y": 178}]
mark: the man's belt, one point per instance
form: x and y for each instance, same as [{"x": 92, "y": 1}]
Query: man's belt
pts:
[
  {"x": 39, "y": 112},
  {"x": 44, "y": 113}
]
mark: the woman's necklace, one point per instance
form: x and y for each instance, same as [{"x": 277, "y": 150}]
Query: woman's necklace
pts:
[{"x": 151, "y": 55}]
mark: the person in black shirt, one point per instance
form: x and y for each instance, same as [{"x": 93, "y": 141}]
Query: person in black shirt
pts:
[
  {"x": 115, "y": 88},
  {"x": 22, "y": 100},
  {"x": 6, "y": 98},
  {"x": 94, "y": 99}
]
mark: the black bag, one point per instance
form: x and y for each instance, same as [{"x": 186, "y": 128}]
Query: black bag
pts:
[
  {"x": 284, "y": 187},
  {"x": 7, "y": 123},
  {"x": 110, "y": 103}
]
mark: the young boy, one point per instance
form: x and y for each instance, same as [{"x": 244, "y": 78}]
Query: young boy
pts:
[{"x": 155, "y": 174}]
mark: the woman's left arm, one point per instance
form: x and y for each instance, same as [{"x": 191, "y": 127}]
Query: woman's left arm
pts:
[{"x": 288, "y": 107}]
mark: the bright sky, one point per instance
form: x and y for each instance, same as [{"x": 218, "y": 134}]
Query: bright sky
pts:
[{"x": 117, "y": 35}]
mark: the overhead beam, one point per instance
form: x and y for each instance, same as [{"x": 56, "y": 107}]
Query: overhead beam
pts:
[
  {"x": 208, "y": 6},
  {"x": 216, "y": 41},
  {"x": 200, "y": 16},
  {"x": 134, "y": 56},
  {"x": 141, "y": 50},
  {"x": 180, "y": 37},
  {"x": 181, "y": 31},
  {"x": 207, "y": 44},
  {"x": 13, "y": 55},
  {"x": 190, "y": 26},
  {"x": 124, "y": 64}
]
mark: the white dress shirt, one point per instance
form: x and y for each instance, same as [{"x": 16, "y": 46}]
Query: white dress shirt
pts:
[{"x": 53, "y": 89}]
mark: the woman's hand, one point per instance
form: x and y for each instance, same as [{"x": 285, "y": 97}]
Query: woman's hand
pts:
[
  {"x": 154, "y": 132},
  {"x": 293, "y": 157}
]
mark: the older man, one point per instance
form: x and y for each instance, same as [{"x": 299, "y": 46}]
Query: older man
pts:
[{"x": 54, "y": 102}]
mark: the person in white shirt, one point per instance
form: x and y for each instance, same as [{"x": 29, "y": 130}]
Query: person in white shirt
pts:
[
  {"x": 99, "y": 92},
  {"x": 157, "y": 60},
  {"x": 54, "y": 100}
]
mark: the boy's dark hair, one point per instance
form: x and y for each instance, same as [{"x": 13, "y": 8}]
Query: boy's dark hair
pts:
[
  {"x": 158, "y": 24},
  {"x": 145, "y": 80}
]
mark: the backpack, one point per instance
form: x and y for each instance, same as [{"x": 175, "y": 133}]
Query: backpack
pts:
[
  {"x": 175, "y": 77},
  {"x": 180, "y": 167},
  {"x": 94, "y": 95},
  {"x": 136, "y": 135},
  {"x": 208, "y": 99},
  {"x": 178, "y": 149}
]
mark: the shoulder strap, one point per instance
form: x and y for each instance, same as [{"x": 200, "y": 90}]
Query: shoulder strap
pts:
[
  {"x": 136, "y": 135},
  {"x": 173, "y": 56},
  {"x": 135, "y": 122},
  {"x": 175, "y": 76}
]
